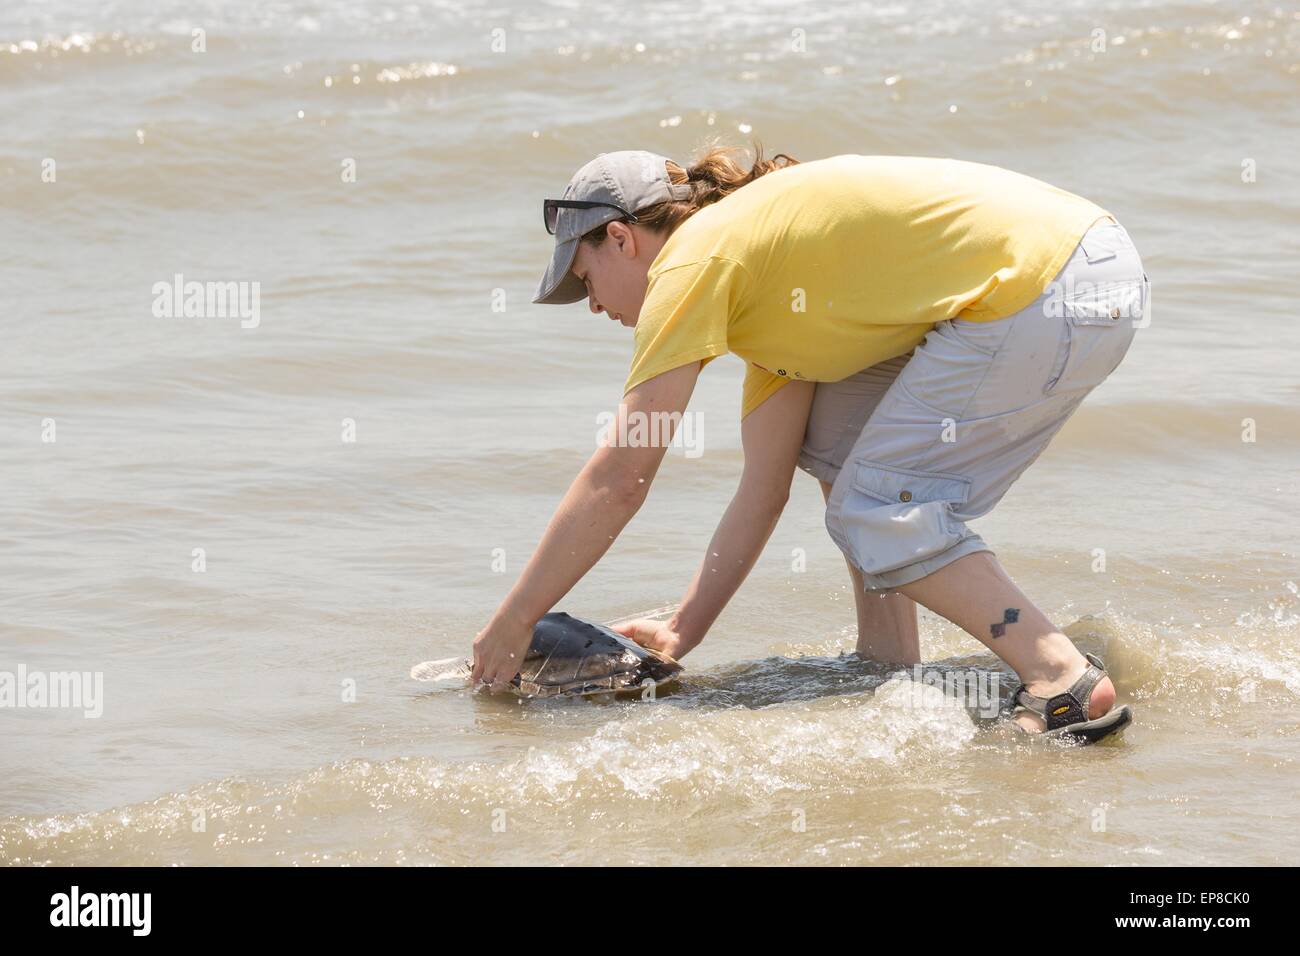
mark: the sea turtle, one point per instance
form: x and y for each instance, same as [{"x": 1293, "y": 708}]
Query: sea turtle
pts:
[{"x": 570, "y": 657}]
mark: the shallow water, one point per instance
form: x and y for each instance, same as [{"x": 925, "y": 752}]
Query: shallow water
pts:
[{"x": 225, "y": 736}]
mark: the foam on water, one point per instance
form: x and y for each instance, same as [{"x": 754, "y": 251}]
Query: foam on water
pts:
[
  {"x": 660, "y": 755},
  {"x": 738, "y": 760}
]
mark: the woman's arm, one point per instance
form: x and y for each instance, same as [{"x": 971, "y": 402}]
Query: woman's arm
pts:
[
  {"x": 599, "y": 503},
  {"x": 772, "y": 436}
]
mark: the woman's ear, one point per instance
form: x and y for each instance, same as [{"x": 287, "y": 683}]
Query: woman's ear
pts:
[{"x": 624, "y": 237}]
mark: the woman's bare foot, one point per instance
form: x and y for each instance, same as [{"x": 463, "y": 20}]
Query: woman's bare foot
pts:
[{"x": 1103, "y": 698}]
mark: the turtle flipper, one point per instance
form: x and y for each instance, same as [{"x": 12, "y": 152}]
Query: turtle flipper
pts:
[{"x": 444, "y": 671}]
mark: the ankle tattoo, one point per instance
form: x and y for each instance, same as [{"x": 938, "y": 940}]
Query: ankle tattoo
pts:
[{"x": 1009, "y": 616}]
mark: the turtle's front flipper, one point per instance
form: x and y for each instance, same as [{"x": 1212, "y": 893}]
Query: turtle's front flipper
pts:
[{"x": 446, "y": 671}]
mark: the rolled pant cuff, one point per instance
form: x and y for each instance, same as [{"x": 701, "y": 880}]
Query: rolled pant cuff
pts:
[
  {"x": 897, "y": 577},
  {"x": 821, "y": 470}
]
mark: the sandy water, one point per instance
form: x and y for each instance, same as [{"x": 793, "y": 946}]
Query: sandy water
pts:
[{"x": 225, "y": 735}]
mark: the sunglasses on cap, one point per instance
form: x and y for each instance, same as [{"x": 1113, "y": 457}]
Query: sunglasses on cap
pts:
[{"x": 551, "y": 210}]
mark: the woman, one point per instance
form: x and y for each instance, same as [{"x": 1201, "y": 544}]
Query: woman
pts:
[{"x": 916, "y": 330}]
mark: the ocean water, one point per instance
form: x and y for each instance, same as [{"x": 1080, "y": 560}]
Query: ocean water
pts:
[{"x": 260, "y": 711}]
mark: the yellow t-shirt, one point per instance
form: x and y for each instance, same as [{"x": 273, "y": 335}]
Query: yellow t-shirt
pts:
[{"x": 820, "y": 270}]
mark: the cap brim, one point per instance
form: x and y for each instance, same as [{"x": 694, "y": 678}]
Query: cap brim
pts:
[{"x": 560, "y": 286}]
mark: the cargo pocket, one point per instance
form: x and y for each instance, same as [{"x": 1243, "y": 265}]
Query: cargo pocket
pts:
[
  {"x": 1097, "y": 327},
  {"x": 892, "y": 517}
]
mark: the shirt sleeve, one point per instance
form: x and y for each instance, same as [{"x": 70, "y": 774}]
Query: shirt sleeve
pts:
[
  {"x": 760, "y": 385},
  {"x": 684, "y": 317}
]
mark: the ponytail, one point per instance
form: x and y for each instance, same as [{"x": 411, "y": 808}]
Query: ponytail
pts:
[{"x": 714, "y": 174}]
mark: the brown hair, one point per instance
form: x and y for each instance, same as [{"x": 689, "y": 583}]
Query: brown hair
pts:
[{"x": 713, "y": 174}]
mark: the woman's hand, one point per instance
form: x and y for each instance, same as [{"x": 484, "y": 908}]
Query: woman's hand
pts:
[
  {"x": 499, "y": 650},
  {"x": 657, "y": 635}
]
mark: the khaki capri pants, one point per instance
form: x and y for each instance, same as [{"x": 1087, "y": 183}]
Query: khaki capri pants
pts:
[{"x": 920, "y": 444}]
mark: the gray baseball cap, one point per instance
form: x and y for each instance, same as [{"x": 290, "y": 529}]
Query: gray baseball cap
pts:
[{"x": 623, "y": 182}]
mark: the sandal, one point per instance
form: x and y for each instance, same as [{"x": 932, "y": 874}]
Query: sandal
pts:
[{"x": 1067, "y": 714}]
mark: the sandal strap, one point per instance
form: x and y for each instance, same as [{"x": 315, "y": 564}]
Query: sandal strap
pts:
[{"x": 1070, "y": 707}]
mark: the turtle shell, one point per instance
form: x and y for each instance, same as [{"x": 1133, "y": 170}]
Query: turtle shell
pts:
[{"x": 570, "y": 657}]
